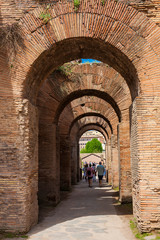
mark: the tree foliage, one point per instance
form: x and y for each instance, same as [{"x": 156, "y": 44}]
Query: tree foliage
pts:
[{"x": 93, "y": 146}]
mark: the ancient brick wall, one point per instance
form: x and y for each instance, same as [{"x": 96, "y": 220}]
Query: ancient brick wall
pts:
[
  {"x": 149, "y": 7},
  {"x": 74, "y": 163},
  {"x": 19, "y": 166},
  {"x": 65, "y": 163},
  {"x": 109, "y": 161},
  {"x": 115, "y": 163},
  {"x": 145, "y": 161},
  {"x": 124, "y": 158},
  {"x": 12, "y": 11},
  {"x": 120, "y": 36},
  {"x": 49, "y": 165}
]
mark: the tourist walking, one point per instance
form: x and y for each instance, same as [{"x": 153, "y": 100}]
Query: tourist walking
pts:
[
  {"x": 100, "y": 170},
  {"x": 85, "y": 171},
  {"x": 94, "y": 172},
  {"x": 90, "y": 172}
]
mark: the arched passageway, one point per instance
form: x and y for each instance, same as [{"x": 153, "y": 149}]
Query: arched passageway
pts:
[
  {"x": 116, "y": 87},
  {"x": 115, "y": 34},
  {"x": 90, "y": 114}
]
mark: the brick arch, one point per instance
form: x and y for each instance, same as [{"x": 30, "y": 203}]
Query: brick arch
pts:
[
  {"x": 87, "y": 92},
  {"x": 90, "y": 114},
  {"x": 93, "y": 126},
  {"x": 92, "y": 104},
  {"x": 81, "y": 76},
  {"x": 119, "y": 35},
  {"x": 86, "y": 128},
  {"x": 93, "y": 120},
  {"x": 128, "y": 71},
  {"x": 101, "y": 77},
  {"x": 115, "y": 34}
]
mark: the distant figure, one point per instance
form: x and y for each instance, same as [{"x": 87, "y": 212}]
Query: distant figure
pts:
[
  {"x": 90, "y": 175},
  {"x": 94, "y": 172},
  {"x": 85, "y": 171},
  {"x": 100, "y": 170}
]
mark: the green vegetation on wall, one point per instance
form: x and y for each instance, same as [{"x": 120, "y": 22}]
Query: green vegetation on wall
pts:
[
  {"x": 76, "y": 4},
  {"x": 45, "y": 16}
]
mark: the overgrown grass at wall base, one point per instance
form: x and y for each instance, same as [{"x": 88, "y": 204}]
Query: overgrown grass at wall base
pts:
[
  {"x": 142, "y": 236},
  {"x": 12, "y": 235}
]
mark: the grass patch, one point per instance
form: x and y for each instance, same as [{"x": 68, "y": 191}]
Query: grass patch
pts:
[
  {"x": 142, "y": 236},
  {"x": 103, "y": 2},
  {"x": 10, "y": 235},
  {"x": 66, "y": 70},
  {"x": 135, "y": 231},
  {"x": 13, "y": 235},
  {"x": 116, "y": 188},
  {"x": 76, "y": 4},
  {"x": 45, "y": 16},
  {"x": 126, "y": 209}
]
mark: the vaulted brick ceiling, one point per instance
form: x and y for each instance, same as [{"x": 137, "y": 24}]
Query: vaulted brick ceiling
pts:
[
  {"x": 91, "y": 126},
  {"x": 116, "y": 34},
  {"x": 64, "y": 95},
  {"x": 92, "y": 105}
]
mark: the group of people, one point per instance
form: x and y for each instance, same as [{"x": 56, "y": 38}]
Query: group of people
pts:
[{"x": 90, "y": 172}]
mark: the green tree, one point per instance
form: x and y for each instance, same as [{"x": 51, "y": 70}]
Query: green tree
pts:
[
  {"x": 93, "y": 146},
  {"x": 83, "y": 150}
]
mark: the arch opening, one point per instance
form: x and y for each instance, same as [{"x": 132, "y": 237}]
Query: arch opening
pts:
[
  {"x": 97, "y": 150},
  {"x": 76, "y": 48},
  {"x": 88, "y": 92},
  {"x": 94, "y": 125},
  {"x": 90, "y": 114}
]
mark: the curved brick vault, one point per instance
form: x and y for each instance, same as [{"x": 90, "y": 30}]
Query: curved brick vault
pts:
[
  {"x": 94, "y": 121},
  {"x": 93, "y": 104},
  {"x": 84, "y": 76},
  {"x": 115, "y": 34},
  {"x": 96, "y": 76},
  {"x": 92, "y": 126},
  {"x": 88, "y": 127},
  {"x": 85, "y": 120},
  {"x": 90, "y": 114},
  {"x": 87, "y": 92},
  {"x": 110, "y": 45},
  {"x": 59, "y": 91}
]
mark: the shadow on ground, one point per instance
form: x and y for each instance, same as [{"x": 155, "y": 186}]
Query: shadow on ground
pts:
[{"x": 81, "y": 202}]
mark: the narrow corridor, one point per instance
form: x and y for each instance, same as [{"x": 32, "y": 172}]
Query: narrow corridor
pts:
[{"x": 86, "y": 213}]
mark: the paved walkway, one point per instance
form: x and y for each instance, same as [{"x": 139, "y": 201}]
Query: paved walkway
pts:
[{"x": 87, "y": 213}]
